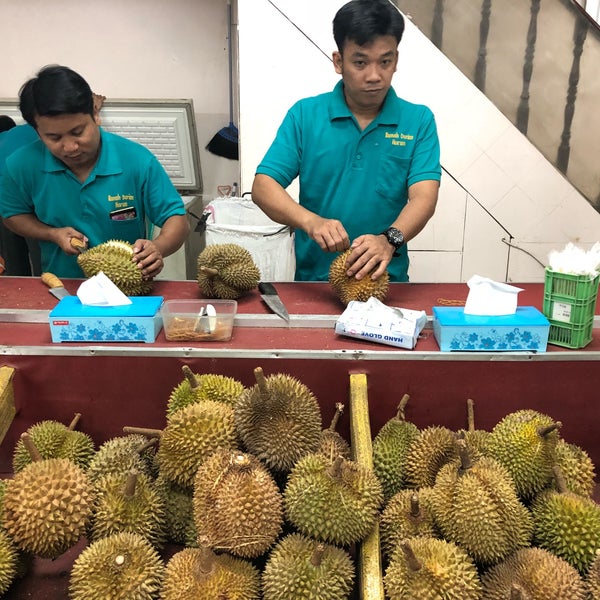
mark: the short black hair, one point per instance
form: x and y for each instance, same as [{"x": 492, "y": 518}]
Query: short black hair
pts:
[
  {"x": 6, "y": 123},
  {"x": 361, "y": 21},
  {"x": 56, "y": 90}
]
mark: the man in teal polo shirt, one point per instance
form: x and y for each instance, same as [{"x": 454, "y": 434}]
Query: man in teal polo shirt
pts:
[
  {"x": 368, "y": 162},
  {"x": 80, "y": 181}
]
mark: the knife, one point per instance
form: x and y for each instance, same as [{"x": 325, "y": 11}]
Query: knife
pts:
[
  {"x": 269, "y": 294},
  {"x": 55, "y": 285}
]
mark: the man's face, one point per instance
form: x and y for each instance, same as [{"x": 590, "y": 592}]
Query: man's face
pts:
[
  {"x": 72, "y": 138},
  {"x": 367, "y": 71}
]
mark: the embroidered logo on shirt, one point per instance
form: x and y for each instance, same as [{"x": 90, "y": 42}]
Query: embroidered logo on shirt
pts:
[{"x": 399, "y": 139}]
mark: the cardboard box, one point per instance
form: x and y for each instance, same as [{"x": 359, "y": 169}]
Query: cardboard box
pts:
[
  {"x": 140, "y": 321},
  {"x": 527, "y": 329}
]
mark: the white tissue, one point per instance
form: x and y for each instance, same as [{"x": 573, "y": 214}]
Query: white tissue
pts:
[
  {"x": 576, "y": 261},
  {"x": 99, "y": 290},
  {"x": 490, "y": 298}
]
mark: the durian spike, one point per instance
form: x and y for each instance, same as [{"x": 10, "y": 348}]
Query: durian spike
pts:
[
  {"x": 339, "y": 409},
  {"x": 74, "y": 422},
  {"x": 262, "y": 383},
  {"x": 544, "y": 431},
  {"x": 411, "y": 560},
  {"x": 317, "y": 555},
  {"x": 466, "y": 461},
  {"x": 209, "y": 271},
  {"x": 156, "y": 433},
  {"x": 147, "y": 444},
  {"x": 335, "y": 470},
  {"x": 470, "y": 415},
  {"x": 518, "y": 593},
  {"x": 415, "y": 507},
  {"x": 402, "y": 406},
  {"x": 31, "y": 448},
  {"x": 129, "y": 491},
  {"x": 189, "y": 375},
  {"x": 561, "y": 482}
]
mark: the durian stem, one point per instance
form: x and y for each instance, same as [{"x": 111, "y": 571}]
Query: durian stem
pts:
[
  {"x": 339, "y": 409},
  {"x": 147, "y": 444},
  {"x": 470, "y": 415},
  {"x": 466, "y": 461},
  {"x": 189, "y": 375},
  {"x": 544, "y": 431},
  {"x": 402, "y": 406},
  {"x": 209, "y": 271},
  {"x": 411, "y": 560},
  {"x": 262, "y": 383},
  {"x": 31, "y": 448},
  {"x": 561, "y": 482},
  {"x": 74, "y": 422},
  {"x": 415, "y": 507},
  {"x": 317, "y": 555},
  {"x": 335, "y": 470},
  {"x": 206, "y": 560},
  {"x": 156, "y": 433},
  {"x": 132, "y": 478}
]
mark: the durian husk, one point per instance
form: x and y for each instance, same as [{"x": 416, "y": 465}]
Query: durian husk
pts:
[
  {"x": 8, "y": 562},
  {"x": 332, "y": 443},
  {"x": 311, "y": 569},
  {"x": 198, "y": 573},
  {"x": 114, "y": 259},
  {"x": 592, "y": 578},
  {"x": 336, "y": 503},
  {"x": 123, "y": 566},
  {"x": 349, "y": 288},
  {"x": 179, "y": 513},
  {"x": 47, "y": 507},
  {"x": 577, "y": 467},
  {"x": 431, "y": 569},
  {"x": 538, "y": 573},
  {"x": 237, "y": 504},
  {"x": 226, "y": 271}
]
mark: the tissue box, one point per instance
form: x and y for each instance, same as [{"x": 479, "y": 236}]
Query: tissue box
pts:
[
  {"x": 526, "y": 329},
  {"x": 140, "y": 321}
]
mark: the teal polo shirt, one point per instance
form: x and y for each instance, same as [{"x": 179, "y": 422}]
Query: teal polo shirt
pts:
[
  {"x": 127, "y": 177},
  {"x": 359, "y": 177}
]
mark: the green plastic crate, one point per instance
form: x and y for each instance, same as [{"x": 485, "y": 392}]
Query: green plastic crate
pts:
[{"x": 569, "y": 305}]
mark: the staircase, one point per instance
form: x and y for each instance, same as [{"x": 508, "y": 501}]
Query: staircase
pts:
[{"x": 538, "y": 62}]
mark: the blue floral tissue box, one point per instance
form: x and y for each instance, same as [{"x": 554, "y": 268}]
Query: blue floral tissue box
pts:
[
  {"x": 140, "y": 321},
  {"x": 526, "y": 329}
]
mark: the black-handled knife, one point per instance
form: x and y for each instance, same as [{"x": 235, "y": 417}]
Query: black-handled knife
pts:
[{"x": 269, "y": 294}]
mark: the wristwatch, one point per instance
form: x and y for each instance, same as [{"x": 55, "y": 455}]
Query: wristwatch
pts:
[{"x": 395, "y": 237}]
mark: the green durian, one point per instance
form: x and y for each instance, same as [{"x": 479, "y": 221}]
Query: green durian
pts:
[
  {"x": 427, "y": 454},
  {"x": 390, "y": 449},
  {"x": 300, "y": 567},
  {"x": 55, "y": 440},
  {"x": 226, "y": 271},
  {"x": 114, "y": 259},
  {"x": 566, "y": 524},
  {"x": 237, "y": 504},
  {"x": 577, "y": 468},
  {"x": 525, "y": 443},
  {"x": 206, "y": 386},
  {"x": 431, "y": 569},
  {"x": 8, "y": 562},
  {"x": 179, "y": 513},
  {"x": 332, "y": 443},
  {"x": 278, "y": 420},
  {"x": 123, "y": 566},
  {"x": 335, "y": 502},
  {"x": 200, "y": 574},
  {"x": 537, "y": 573},
  {"x": 128, "y": 503},
  {"x": 407, "y": 514},
  {"x": 592, "y": 578}
]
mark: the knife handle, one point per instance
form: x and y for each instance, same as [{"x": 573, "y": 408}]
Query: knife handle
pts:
[
  {"x": 267, "y": 288},
  {"x": 51, "y": 280}
]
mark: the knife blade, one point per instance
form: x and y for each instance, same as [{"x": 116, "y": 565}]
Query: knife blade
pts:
[
  {"x": 269, "y": 294},
  {"x": 55, "y": 285}
]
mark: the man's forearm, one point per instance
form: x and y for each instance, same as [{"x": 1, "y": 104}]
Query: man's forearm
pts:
[
  {"x": 29, "y": 226},
  {"x": 173, "y": 234}
]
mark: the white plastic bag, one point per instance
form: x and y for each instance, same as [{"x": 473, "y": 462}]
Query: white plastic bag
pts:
[{"x": 237, "y": 220}]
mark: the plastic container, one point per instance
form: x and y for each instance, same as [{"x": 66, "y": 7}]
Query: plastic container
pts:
[
  {"x": 196, "y": 321},
  {"x": 569, "y": 305}
]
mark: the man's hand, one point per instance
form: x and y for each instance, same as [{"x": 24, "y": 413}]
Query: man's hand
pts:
[
  {"x": 148, "y": 258},
  {"x": 328, "y": 233},
  {"x": 369, "y": 253},
  {"x": 69, "y": 240}
]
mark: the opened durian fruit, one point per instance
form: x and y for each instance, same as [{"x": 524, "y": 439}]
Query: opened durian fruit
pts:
[{"x": 256, "y": 499}]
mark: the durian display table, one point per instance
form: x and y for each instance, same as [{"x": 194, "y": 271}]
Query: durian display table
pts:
[{"x": 118, "y": 384}]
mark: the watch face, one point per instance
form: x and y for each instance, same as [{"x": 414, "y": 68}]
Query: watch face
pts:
[{"x": 394, "y": 237}]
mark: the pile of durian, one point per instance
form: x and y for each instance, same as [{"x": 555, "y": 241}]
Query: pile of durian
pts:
[{"x": 245, "y": 494}]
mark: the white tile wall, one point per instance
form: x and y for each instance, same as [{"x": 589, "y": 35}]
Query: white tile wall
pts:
[{"x": 509, "y": 190}]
